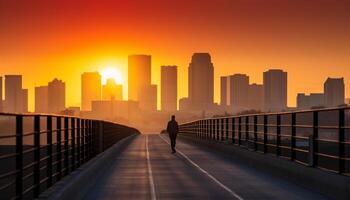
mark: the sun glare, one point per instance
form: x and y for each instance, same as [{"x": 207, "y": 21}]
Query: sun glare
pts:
[{"x": 111, "y": 72}]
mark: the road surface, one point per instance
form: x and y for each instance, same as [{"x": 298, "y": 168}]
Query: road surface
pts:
[{"x": 146, "y": 169}]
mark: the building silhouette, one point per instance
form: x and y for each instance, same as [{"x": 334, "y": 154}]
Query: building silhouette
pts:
[
  {"x": 56, "y": 96},
  {"x": 201, "y": 82},
  {"x": 255, "y": 97},
  {"x": 16, "y": 98},
  {"x": 224, "y": 91},
  {"x": 139, "y": 75},
  {"x": 1, "y": 99},
  {"x": 112, "y": 91},
  {"x": 275, "y": 90},
  {"x": 239, "y": 86},
  {"x": 90, "y": 89},
  {"x": 168, "y": 88},
  {"x": 309, "y": 101},
  {"x": 41, "y": 99},
  {"x": 148, "y": 98},
  {"x": 334, "y": 92}
]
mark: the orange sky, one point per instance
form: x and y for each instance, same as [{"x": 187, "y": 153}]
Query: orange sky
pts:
[{"x": 47, "y": 39}]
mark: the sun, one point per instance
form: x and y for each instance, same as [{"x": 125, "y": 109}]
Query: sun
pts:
[{"x": 111, "y": 72}]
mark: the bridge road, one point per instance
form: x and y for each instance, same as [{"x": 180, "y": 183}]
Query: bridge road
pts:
[{"x": 147, "y": 170}]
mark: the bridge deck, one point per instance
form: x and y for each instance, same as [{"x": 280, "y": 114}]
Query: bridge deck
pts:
[{"x": 147, "y": 170}]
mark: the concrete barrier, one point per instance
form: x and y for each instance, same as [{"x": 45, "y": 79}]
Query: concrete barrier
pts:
[
  {"x": 332, "y": 185},
  {"x": 76, "y": 184}
]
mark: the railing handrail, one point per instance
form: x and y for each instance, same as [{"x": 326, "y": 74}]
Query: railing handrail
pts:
[{"x": 271, "y": 113}]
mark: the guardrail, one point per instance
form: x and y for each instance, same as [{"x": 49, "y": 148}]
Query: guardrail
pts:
[
  {"x": 37, "y": 150},
  {"x": 316, "y": 138}
]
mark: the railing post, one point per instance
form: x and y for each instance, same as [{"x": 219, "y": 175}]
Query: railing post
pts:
[
  {"x": 313, "y": 145},
  {"x": 217, "y": 130},
  {"x": 293, "y": 141},
  {"x": 341, "y": 141},
  {"x": 278, "y": 135},
  {"x": 72, "y": 143},
  {"x": 255, "y": 132},
  {"x": 66, "y": 146},
  {"x": 59, "y": 147},
  {"x": 19, "y": 156},
  {"x": 78, "y": 128},
  {"x": 222, "y": 129},
  {"x": 247, "y": 131},
  {"x": 233, "y": 130},
  {"x": 211, "y": 129},
  {"x": 36, "y": 172},
  {"x": 227, "y": 128},
  {"x": 49, "y": 151},
  {"x": 239, "y": 131},
  {"x": 265, "y": 133}
]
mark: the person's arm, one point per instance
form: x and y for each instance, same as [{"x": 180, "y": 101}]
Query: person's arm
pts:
[
  {"x": 167, "y": 128},
  {"x": 177, "y": 128}
]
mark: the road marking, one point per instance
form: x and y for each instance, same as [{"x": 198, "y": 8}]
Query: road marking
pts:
[
  {"x": 150, "y": 174},
  {"x": 206, "y": 173}
]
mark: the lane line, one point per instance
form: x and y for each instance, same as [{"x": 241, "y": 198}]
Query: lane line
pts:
[
  {"x": 234, "y": 194},
  {"x": 150, "y": 174}
]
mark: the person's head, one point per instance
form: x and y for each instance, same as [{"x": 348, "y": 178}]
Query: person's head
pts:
[{"x": 172, "y": 117}]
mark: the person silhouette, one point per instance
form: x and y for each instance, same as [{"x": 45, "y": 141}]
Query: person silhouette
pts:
[{"x": 172, "y": 129}]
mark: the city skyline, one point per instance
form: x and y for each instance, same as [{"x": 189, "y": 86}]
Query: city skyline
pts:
[{"x": 247, "y": 37}]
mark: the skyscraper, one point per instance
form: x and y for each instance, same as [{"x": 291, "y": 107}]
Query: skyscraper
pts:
[
  {"x": 168, "y": 88},
  {"x": 255, "y": 97},
  {"x": 308, "y": 101},
  {"x": 139, "y": 75},
  {"x": 223, "y": 90},
  {"x": 148, "y": 98},
  {"x": 334, "y": 92},
  {"x": 239, "y": 86},
  {"x": 41, "y": 99},
  {"x": 112, "y": 91},
  {"x": 275, "y": 90},
  {"x": 56, "y": 96},
  {"x": 201, "y": 81},
  {"x": 90, "y": 89},
  {"x": 16, "y": 98},
  {"x": 1, "y": 100}
]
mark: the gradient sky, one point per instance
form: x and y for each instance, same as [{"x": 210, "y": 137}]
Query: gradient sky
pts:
[{"x": 46, "y": 39}]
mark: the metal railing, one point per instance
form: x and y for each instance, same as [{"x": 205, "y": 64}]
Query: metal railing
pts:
[
  {"x": 316, "y": 138},
  {"x": 37, "y": 150}
]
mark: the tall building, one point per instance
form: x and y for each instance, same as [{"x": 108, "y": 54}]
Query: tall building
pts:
[
  {"x": 255, "y": 97},
  {"x": 56, "y": 96},
  {"x": 112, "y": 91},
  {"x": 148, "y": 98},
  {"x": 1, "y": 100},
  {"x": 224, "y": 90},
  {"x": 239, "y": 86},
  {"x": 90, "y": 89},
  {"x": 168, "y": 88},
  {"x": 201, "y": 81},
  {"x": 334, "y": 92},
  {"x": 308, "y": 101},
  {"x": 275, "y": 90},
  {"x": 41, "y": 99},
  {"x": 16, "y": 98},
  {"x": 139, "y": 75}
]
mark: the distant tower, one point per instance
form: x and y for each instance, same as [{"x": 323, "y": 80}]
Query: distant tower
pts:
[
  {"x": 148, "y": 98},
  {"x": 275, "y": 90},
  {"x": 223, "y": 90},
  {"x": 256, "y": 97},
  {"x": 1, "y": 100},
  {"x": 139, "y": 75},
  {"x": 41, "y": 99},
  {"x": 168, "y": 88},
  {"x": 56, "y": 96},
  {"x": 112, "y": 91},
  {"x": 201, "y": 81},
  {"x": 239, "y": 86},
  {"x": 334, "y": 92},
  {"x": 90, "y": 89},
  {"x": 16, "y": 98}
]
